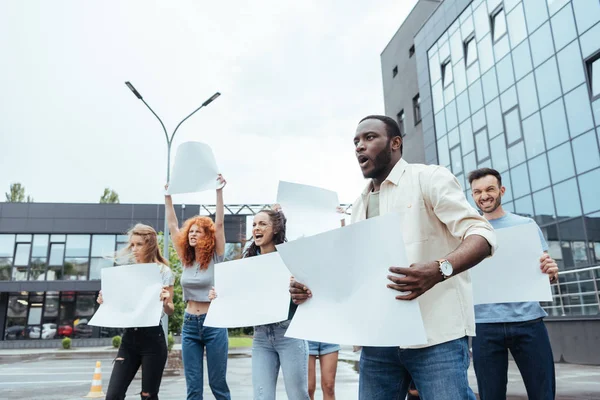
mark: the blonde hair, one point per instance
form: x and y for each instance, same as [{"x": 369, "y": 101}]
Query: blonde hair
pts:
[{"x": 151, "y": 253}]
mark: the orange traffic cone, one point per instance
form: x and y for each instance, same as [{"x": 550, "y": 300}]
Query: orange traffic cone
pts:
[{"x": 96, "y": 390}]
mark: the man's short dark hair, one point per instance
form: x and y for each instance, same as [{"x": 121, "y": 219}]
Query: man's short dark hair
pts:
[
  {"x": 482, "y": 172},
  {"x": 391, "y": 126}
]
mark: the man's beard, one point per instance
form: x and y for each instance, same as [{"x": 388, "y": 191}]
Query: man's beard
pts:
[
  {"x": 497, "y": 204},
  {"x": 381, "y": 162}
]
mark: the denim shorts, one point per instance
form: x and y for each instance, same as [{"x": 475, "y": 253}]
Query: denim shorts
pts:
[{"x": 320, "y": 349}]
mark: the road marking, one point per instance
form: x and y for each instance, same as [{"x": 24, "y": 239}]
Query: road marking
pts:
[
  {"x": 41, "y": 382},
  {"x": 45, "y": 373}
]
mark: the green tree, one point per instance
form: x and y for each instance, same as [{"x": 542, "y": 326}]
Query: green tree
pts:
[
  {"x": 175, "y": 320},
  {"x": 109, "y": 196},
  {"x": 17, "y": 194}
]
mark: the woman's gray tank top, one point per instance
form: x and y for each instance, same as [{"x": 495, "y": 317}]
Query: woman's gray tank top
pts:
[{"x": 196, "y": 283}]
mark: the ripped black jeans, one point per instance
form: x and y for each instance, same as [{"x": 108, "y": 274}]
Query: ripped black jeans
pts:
[{"x": 140, "y": 346}]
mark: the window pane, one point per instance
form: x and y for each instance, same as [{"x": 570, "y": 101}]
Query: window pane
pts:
[
  {"x": 506, "y": 77},
  {"x": 476, "y": 96},
  {"x": 19, "y": 273},
  {"x": 596, "y": 78},
  {"x": 7, "y": 245},
  {"x": 589, "y": 41},
  {"x": 567, "y": 199},
  {"x": 524, "y": 206},
  {"x": 440, "y": 124},
  {"x": 482, "y": 21},
  {"x": 24, "y": 238},
  {"x": 469, "y": 163},
  {"x": 485, "y": 53},
  {"x": 456, "y": 49},
  {"x": 516, "y": 154},
  {"x": 460, "y": 77},
  {"x": 40, "y": 246},
  {"x": 85, "y": 305},
  {"x": 534, "y": 136},
  {"x": 443, "y": 152},
  {"x": 78, "y": 245},
  {"x": 97, "y": 265},
  {"x": 585, "y": 151},
  {"x": 508, "y": 99},
  {"x": 456, "y": 161},
  {"x": 520, "y": 181},
  {"x": 471, "y": 49},
  {"x": 22, "y": 254},
  {"x": 478, "y": 120},
  {"x": 561, "y": 163},
  {"x": 570, "y": 67},
  {"x": 451, "y": 117},
  {"x": 498, "y": 25},
  {"x": 535, "y": 13},
  {"x": 434, "y": 68},
  {"x": 512, "y": 126},
  {"x": 555, "y": 5},
  {"x": 527, "y": 96},
  {"x": 482, "y": 143},
  {"x": 563, "y": 27},
  {"x": 37, "y": 269},
  {"x": 103, "y": 245},
  {"x": 516, "y": 25},
  {"x": 473, "y": 73},
  {"x": 466, "y": 137},
  {"x": 544, "y": 205},
  {"x": 447, "y": 74},
  {"x": 490, "y": 85},
  {"x": 462, "y": 104},
  {"x": 541, "y": 47},
  {"x": 579, "y": 114},
  {"x": 437, "y": 95},
  {"x": 444, "y": 47},
  {"x": 523, "y": 66},
  {"x": 506, "y": 181},
  {"x": 539, "y": 171},
  {"x": 494, "y": 118},
  {"x": 76, "y": 268},
  {"x": 501, "y": 48},
  {"x": 466, "y": 23},
  {"x": 498, "y": 149},
  {"x": 58, "y": 238},
  {"x": 587, "y": 14},
  {"x": 547, "y": 80},
  {"x": 589, "y": 191},
  {"x": 453, "y": 138},
  {"x": 57, "y": 253},
  {"x": 555, "y": 124}
]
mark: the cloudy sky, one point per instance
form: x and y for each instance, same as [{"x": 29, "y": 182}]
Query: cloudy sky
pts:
[{"x": 295, "y": 78}]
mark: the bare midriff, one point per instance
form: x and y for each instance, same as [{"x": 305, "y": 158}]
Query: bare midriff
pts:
[{"x": 197, "y": 307}]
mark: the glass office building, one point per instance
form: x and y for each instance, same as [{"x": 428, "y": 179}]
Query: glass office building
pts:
[{"x": 515, "y": 85}]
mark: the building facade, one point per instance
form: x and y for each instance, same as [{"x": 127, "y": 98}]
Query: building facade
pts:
[
  {"x": 514, "y": 85},
  {"x": 52, "y": 255}
]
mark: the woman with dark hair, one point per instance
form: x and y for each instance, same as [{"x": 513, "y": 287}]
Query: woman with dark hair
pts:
[
  {"x": 270, "y": 348},
  {"x": 200, "y": 244},
  {"x": 145, "y": 347}
]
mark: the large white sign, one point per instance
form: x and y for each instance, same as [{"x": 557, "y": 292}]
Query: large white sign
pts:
[{"x": 195, "y": 169}]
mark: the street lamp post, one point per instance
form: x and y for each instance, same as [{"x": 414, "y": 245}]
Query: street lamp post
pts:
[{"x": 169, "y": 142}]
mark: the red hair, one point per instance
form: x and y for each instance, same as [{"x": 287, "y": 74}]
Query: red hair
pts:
[{"x": 205, "y": 247}]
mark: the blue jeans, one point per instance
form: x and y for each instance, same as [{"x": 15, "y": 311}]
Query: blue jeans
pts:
[
  {"x": 195, "y": 337},
  {"x": 439, "y": 372},
  {"x": 271, "y": 349},
  {"x": 529, "y": 345},
  {"x": 321, "y": 349}
]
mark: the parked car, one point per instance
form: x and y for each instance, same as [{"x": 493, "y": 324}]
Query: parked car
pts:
[
  {"x": 65, "y": 331},
  {"x": 48, "y": 331},
  {"x": 33, "y": 332},
  {"x": 15, "y": 332},
  {"x": 82, "y": 329}
]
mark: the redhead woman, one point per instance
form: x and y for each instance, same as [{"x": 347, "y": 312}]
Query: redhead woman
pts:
[{"x": 200, "y": 244}]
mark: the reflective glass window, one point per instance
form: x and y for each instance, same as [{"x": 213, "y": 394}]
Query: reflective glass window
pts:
[
  {"x": 506, "y": 77},
  {"x": 485, "y": 164},
  {"x": 57, "y": 253},
  {"x": 520, "y": 181},
  {"x": 508, "y": 99},
  {"x": 462, "y": 104},
  {"x": 498, "y": 25},
  {"x": 103, "y": 245},
  {"x": 588, "y": 184},
  {"x": 544, "y": 203},
  {"x": 542, "y": 47},
  {"x": 435, "y": 73},
  {"x": 595, "y": 77},
  {"x": 40, "y": 246},
  {"x": 501, "y": 48},
  {"x": 555, "y": 5},
  {"x": 596, "y": 111},
  {"x": 517, "y": 30},
  {"x": 76, "y": 268},
  {"x": 589, "y": 41},
  {"x": 587, "y": 14},
  {"x": 443, "y": 151},
  {"x": 566, "y": 195},
  {"x": 512, "y": 126},
  {"x": 586, "y": 153},
  {"x": 540, "y": 176},
  {"x": 527, "y": 96},
  {"x": 471, "y": 51},
  {"x": 494, "y": 118},
  {"x": 451, "y": 117},
  {"x": 524, "y": 206},
  {"x": 482, "y": 145},
  {"x": 24, "y": 238},
  {"x": 498, "y": 150},
  {"x": 466, "y": 137},
  {"x": 469, "y": 162},
  {"x": 7, "y": 245},
  {"x": 78, "y": 245},
  {"x": 466, "y": 23},
  {"x": 453, "y": 137},
  {"x": 523, "y": 64},
  {"x": 97, "y": 265},
  {"x": 563, "y": 27},
  {"x": 22, "y": 254},
  {"x": 476, "y": 96},
  {"x": 485, "y": 51},
  {"x": 516, "y": 154},
  {"x": 555, "y": 124},
  {"x": 570, "y": 67},
  {"x": 437, "y": 95},
  {"x": 440, "y": 124},
  {"x": 533, "y": 135},
  {"x": 579, "y": 113},
  {"x": 507, "y": 183},
  {"x": 417, "y": 108},
  {"x": 58, "y": 238},
  {"x": 509, "y": 206},
  {"x": 482, "y": 20},
  {"x": 548, "y": 83},
  {"x": 460, "y": 77},
  {"x": 447, "y": 73},
  {"x": 444, "y": 48},
  {"x": 490, "y": 85},
  {"x": 473, "y": 73},
  {"x": 561, "y": 163},
  {"x": 456, "y": 47},
  {"x": 478, "y": 120},
  {"x": 456, "y": 159},
  {"x": 536, "y": 13}
]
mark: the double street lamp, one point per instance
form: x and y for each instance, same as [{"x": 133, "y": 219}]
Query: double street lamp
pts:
[{"x": 169, "y": 142}]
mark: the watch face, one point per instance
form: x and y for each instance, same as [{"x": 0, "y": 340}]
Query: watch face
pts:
[{"x": 446, "y": 268}]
